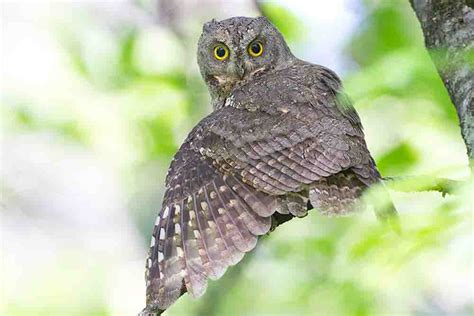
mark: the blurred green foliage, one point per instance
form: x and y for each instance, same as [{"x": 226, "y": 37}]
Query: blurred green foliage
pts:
[
  {"x": 391, "y": 164},
  {"x": 389, "y": 27},
  {"x": 134, "y": 96},
  {"x": 287, "y": 23}
]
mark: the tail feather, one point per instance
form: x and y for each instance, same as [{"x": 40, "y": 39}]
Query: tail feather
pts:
[{"x": 337, "y": 194}]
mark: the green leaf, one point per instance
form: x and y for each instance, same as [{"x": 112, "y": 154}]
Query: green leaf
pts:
[
  {"x": 286, "y": 22},
  {"x": 398, "y": 160}
]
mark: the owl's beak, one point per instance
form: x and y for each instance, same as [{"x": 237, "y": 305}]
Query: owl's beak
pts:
[{"x": 240, "y": 70}]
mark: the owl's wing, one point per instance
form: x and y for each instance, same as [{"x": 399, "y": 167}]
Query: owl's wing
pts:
[
  {"x": 275, "y": 137},
  {"x": 208, "y": 220}
]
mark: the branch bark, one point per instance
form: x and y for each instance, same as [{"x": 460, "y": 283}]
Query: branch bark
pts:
[
  {"x": 448, "y": 27},
  {"x": 412, "y": 184}
]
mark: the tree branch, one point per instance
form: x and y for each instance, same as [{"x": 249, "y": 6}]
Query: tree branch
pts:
[
  {"x": 448, "y": 27},
  {"x": 422, "y": 184}
]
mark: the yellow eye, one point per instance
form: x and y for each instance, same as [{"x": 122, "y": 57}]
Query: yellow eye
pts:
[
  {"x": 255, "y": 49},
  {"x": 221, "y": 52}
]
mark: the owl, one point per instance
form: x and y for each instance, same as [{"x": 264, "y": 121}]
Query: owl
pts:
[{"x": 282, "y": 138}]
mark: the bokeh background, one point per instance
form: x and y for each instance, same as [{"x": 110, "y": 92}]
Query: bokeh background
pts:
[{"x": 96, "y": 97}]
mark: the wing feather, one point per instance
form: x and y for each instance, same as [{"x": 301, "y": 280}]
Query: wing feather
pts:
[
  {"x": 207, "y": 222},
  {"x": 228, "y": 251}
]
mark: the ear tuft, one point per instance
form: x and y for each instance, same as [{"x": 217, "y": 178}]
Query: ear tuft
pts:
[
  {"x": 208, "y": 26},
  {"x": 263, "y": 19}
]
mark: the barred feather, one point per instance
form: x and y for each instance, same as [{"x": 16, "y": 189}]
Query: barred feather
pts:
[
  {"x": 229, "y": 253},
  {"x": 199, "y": 236},
  {"x": 336, "y": 195}
]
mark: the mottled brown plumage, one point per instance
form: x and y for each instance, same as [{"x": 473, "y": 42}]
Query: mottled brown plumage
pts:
[{"x": 282, "y": 133}]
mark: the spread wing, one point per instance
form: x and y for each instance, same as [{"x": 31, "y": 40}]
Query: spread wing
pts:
[
  {"x": 274, "y": 137},
  {"x": 208, "y": 221}
]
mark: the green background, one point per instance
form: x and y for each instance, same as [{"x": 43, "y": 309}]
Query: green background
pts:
[{"x": 88, "y": 139}]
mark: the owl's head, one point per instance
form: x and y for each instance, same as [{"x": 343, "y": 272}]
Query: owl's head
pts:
[{"x": 237, "y": 49}]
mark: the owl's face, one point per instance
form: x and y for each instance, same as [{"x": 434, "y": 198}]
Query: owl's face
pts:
[{"x": 238, "y": 49}]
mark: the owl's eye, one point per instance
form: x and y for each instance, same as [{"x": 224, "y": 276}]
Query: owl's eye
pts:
[
  {"x": 221, "y": 52},
  {"x": 255, "y": 49}
]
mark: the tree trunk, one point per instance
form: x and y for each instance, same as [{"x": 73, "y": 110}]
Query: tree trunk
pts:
[{"x": 448, "y": 26}]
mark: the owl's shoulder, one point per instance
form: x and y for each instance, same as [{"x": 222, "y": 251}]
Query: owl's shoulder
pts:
[
  {"x": 300, "y": 84},
  {"x": 311, "y": 75}
]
